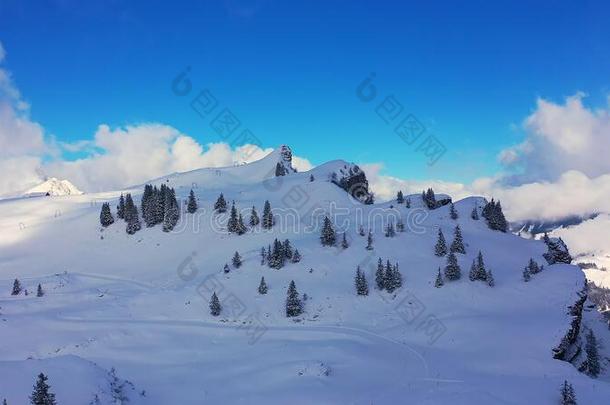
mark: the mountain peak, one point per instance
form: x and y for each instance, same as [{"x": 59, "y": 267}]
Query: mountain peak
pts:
[{"x": 53, "y": 187}]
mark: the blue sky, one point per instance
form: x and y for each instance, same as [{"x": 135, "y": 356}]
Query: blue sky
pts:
[{"x": 469, "y": 72}]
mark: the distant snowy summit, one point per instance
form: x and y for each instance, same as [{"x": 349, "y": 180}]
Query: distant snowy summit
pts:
[{"x": 53, "y": 187}]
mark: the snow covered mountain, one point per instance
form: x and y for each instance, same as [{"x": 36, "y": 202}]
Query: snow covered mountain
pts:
[
  {"x": 140, "y": 303},
  {"x": 53, "y": 187}
]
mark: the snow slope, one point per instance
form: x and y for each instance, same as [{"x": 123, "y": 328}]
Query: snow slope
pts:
[{"x": 139, "y": 303}]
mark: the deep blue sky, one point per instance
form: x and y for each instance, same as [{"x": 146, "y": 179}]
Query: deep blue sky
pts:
[{"x": 289, "y": 70}]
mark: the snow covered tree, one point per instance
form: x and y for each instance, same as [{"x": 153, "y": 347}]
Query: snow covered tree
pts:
[
  {"x": 172, "y": 212},
  {"x": 474, "y": 214},
  {"x": 369, "y": 241},
  {"x": 452, "y": 269},
  {"x": 131, "y": 216},
  {"x": 481, "y": 272},
  {"x": 439, "y": 279},
  {"x": 344, "y": 243},
  {"x": 263, "y": 255},
  {"x": 492, "y": 212},
  {"x": 362, "y": 287},
  {"x": 568, "y": 397},
  {"x": 16, "y": 287},
  {"x": 267, "y": 216},
  {"x": 557, "y": 251},
  {"x": 296, "y": 256},
  {"x": 106, "y": 217},
  {"x": 236, "y": 260},
  {"x": 472, "y": 274},
  {"x": 220, "y": 205},
  {"x": 328, "y": 236},
  {"x": 452, "y": 212},
  {"x": 294, "y": 306},
  {"x": 389, "y": 230},
  {"x": 241, "y": 227},
  {"x": 400, "y": 226},
  {"x": 215, "y": 307},
  {"x": 400, "y": 199},
  {"x": 120, "y": 209},
  {"x": 392, "y": 277},
  {"x": 191, "y": 207},
  {"x": 232, "y": 224},
  {"x": 287, "y": 248},
  {"x": 262, "y": 287},
  {"x": 408, "y": 202},
  {"x": 429, "y": 199},
  {"x": 39, "y": 291},
  {"x": 254, "y": 219},
  {"x": 311, "y": 178},
  {"x": 526, "y": 275},
  {"x": 592, "y": 366},
  {"x": 42, "y": 395},
  {"x": 457, "y": 246},
  {"x": 490, "y": 278},
  {"x": 380, "y": 275},
  {"x": 226, "y": 269},
  {"x": 278, "y": 257},
  {"x": 440, "y": 249},
  {"x": 532, "y": 266}
]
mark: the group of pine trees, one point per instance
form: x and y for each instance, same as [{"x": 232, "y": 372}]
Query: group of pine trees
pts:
[
  {"x": 429, "y": 199},
  {"x": 479, "y": 272},
  {"x": 362, "y": 286},
  {"x": 531, "y": 269},
  {"x": 387, "y": 277},
  {"x": 492, "y": 212},
  {"x": 236, "y": 221},
  {"x": 160, "y": 206},
  {"x": 277, "y": 255},
  {"x": 591, "y": 366},
  {"x": 128, "y": 211},
  {"x": 457, "y": 246},
  {"x": 18, "y": 288},
  {"x": 400, "y": 199}
]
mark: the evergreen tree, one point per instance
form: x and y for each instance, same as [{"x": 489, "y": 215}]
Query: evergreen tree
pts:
[
  {"x": 311, "y": 178},
  {"x": 532, "y": 266},
  {"x": 472, "y": 274},
  {"x": 568, "y": 397},
  {"x": 408, "y": 202},
  {"x": 380, "y": 275},
  {"x": 220, "y": 205},
  {"x": 191, "y": 207},
  {"x": 120, "y": 209},
  {"x": 429, "y": 199},
  {"x": 263, "y": 256},
  {"x": 492, "y": 212},
  {"x": 452, "y": 212},
  {"x": 232, "y": 225},
  {"x": 393, "y": 278},
  {"x": 226, "y": 269},
  {"x": 294, "y": 306},
  {"x": 269, "y": 255},
  {"x": 389, "y": 230},
  {"x": 39, "y": 291},
  {"x": 241, "y": 228},
  {"x": 457, "y": 246},
  {"x": 328, "y": 236},
  {"x": 106, "y": 215},
  {"x": 262, "y": 287},
  {"x": 592, "y": 363},
  {"x": 287, "y": 248},
  {"x": 439, "y": 279},
  {"x": 490, "y": 278},
  {"x": 254, "y": 219},
  {"x": 278, "y": 257},
  {"x": 361, "y": 231},
  {"x": 172, "y": 212},
  {"x": 42, "y": 395},
  {"x": 215, "y": 307},
  {"x": 400, "y": 226},
  {"x": 344, "y": 243},
  {"x": 131, "y": 216},
  {"x": 296, "y": 256},
  {"x": 236, "y": 260},
  {"x": 526, "y": 275},
  {"x": 369, "y": 241},
  {"x": 16, "y": 287},
  {"x": 146, "y": 205},
  {"x": 452, "y": 269},
  {"x": 481, "y": 272},
  {"x": 399, "y": 197},
  {"x": 362, "y": 287},
  {"x": 267, "y": 216},
  {"x": 474, "y": 214},
  {"x": 440, "y": 249}
]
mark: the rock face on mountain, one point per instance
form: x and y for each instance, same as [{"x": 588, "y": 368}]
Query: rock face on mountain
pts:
[{"x": 284, "y": 165}]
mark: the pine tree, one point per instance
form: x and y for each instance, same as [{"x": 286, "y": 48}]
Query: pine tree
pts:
[
  {"x": 294, "y": 306},
  {"x": 277, "y": 257},
  {"x": 232, "y": 225},
  {"x": 267, "y": 216},
  {"x": 362, "y": 287},
  {"x": 408, "y": 202},
  {"x": 400, "y": 226},
  {"x": 262, "y": 287},
  {"x": 472, "y": 274},
  {"x": 490, "y": 279},
  {"x": 220, "y": 205},
  {"x": 226, "y": 269},
  {"x": 311, "y": 178},
  {"x": 254, "y": 219},
  {"x": 215, "y": 307},
  {"x": 16, "y": 287},
  {"x": 106, "y": 217},
  {"x": 120, "y": 209},
  {"x": 457, "y": 246},
  {"x": 369, "y": 241},
  {"x": 344, "y": 243},
  {"x": 429, "y": 199},
  {"x": 287, "y": 248},
  {"x": 481, "y": 272},
  {"x": 399, "y": 197},
  {"x": 236, "y": 260},
  {"x": 42, "y": 395},
  {"x": 241, "y": 227},
  {"x": 328, "y": 236},
  {"x": 592, "y": 363},
  {"x": 440, "y": 249},
  {"x": 263, "y": 256},
  {"x": 395, "y": 279},
  {"x": 532, "y": 266},
  {"x": 389, "y": 230},
  {"x": 526, "y": 275},
  {"x": 452, "y": 269},
  {"x": 131, "y": 216},
  {"x": 568, "y": 397},
  {"x": 474, "y": 214},
  {"x": 39, "y": 291},
  {"x": 452, "y": 212},
  {"x": 380, "y": 275},
  {"x": 296, "y": 256},
  {"x": 492, "y": 212},
  {"x": 172, "y": 212},
  {"x": 191, "y": 207},
  {"x": 439, "y": 279}
]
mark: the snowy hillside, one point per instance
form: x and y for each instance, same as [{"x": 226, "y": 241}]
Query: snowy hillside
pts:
[{"x": 140, "y": 303}]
